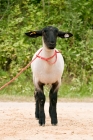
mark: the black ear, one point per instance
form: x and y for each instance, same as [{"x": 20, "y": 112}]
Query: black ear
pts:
[
  {"x": 34, "y": 33},
  {"x": 64, "y": 34}
]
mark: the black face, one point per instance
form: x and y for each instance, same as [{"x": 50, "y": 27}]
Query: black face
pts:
[{"x": 50, "y": 36}]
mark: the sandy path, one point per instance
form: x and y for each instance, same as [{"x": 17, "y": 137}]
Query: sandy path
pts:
[{"x": 17, "y": 122}]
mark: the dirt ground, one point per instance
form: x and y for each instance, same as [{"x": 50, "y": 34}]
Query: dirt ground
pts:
[{"x": 17, "y": 122}]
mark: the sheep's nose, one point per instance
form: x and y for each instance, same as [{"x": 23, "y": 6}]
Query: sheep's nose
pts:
[{"x": 52, "y": 42}]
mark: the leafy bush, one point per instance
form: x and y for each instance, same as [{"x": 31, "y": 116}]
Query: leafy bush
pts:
[{"x": 18, "y": 17}]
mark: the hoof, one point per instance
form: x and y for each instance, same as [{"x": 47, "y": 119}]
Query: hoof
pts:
[
  {"x": 42, "y": 121},
  {"x": 42, "y": 125},
  {"x": 54, "y": 124},
  {"x": 54, "y": 121}
]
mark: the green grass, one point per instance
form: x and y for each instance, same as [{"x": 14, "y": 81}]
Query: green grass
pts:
[
  {"x": 22, "y": 89},
  {"x": 76, "y": 89}
]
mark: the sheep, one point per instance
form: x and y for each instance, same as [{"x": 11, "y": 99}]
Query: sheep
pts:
[{"x": 47, "y": 68}]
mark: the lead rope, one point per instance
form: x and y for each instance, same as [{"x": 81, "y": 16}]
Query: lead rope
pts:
[{"x": 23, "y": 69}]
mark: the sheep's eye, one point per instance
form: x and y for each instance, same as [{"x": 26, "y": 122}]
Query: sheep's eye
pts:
[
  {"x": 56, "y": 31},
  {"x": 44, "y": 32}
]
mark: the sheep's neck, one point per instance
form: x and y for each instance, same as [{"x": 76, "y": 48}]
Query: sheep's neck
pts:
[{"x": 47, "y": 53}]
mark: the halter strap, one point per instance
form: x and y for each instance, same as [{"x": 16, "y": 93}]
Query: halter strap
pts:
[{"x": 49, "y": 58}]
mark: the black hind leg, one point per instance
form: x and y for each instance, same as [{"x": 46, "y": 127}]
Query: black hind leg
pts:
[{"x": 36, "y": 105}]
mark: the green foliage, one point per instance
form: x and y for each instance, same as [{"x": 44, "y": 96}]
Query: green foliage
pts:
[
  {"x": 16, "y": 50},
  {"x": 76, "y": 89}
]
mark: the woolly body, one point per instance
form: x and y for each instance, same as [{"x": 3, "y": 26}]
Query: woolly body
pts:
[{"x": 43, "y": 71}]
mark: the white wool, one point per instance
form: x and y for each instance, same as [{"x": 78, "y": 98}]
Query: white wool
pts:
[{"x": 43, "y": 71}]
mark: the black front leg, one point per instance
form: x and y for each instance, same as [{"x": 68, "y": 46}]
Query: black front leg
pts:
[
  {"x": 52, "y": 108},
  {"x": 53, "y": 103},
  {"x": 40, "y": 101}
]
